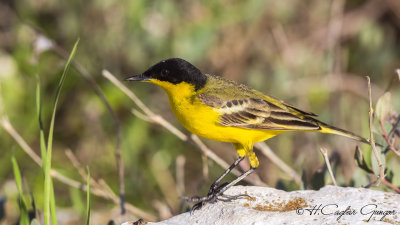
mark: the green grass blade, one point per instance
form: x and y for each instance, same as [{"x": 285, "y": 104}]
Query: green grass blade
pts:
[
  {"x": 39, "y": 115},
  {"x": 24, "y": 217},
  {"x": 60, "y": 84},
  {"x": 47, "y": 177},
  {"x": 88, "y": 198},
  {"x": 53, "y": 205},
  {"x": 17, "y": 174}
]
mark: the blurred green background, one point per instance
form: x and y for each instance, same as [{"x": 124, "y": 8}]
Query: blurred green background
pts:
[{"x": 312, "y": 54}]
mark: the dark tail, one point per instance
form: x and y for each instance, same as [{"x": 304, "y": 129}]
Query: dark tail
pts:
[{"x": 325, "y": 128}]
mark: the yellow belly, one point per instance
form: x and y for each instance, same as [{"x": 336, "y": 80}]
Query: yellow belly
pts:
[{"x": 202, "y": 120}]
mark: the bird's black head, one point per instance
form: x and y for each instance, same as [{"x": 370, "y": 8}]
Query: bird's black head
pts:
[{"x": 173, "y": 70}]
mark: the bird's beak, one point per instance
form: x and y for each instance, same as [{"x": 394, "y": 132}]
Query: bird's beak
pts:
[{"x": 139, "y": 77}]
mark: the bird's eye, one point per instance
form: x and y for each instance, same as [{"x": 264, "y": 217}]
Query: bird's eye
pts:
[{"x": 164, "y": 72}]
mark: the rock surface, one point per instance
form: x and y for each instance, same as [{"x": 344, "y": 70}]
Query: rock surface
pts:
[{"x": 329, "y": 205}]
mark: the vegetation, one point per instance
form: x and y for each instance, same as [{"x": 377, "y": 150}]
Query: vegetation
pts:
[{"x": 312, "y": 54}]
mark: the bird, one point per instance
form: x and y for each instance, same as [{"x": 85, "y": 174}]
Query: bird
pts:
[{"x": 219, "y": 109}]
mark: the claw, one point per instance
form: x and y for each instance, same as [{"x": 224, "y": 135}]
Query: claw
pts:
[{"x": 197, "y": 206}]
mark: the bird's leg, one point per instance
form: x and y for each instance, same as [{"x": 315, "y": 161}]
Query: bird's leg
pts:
[
  {"x": 221, "y": 190},
  {"x": 214, "y": 185}
]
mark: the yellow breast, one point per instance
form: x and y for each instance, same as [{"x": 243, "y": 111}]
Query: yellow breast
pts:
[{"x": 202, "y": 120}]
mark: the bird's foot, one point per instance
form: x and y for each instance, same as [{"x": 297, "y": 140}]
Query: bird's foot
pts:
[
  {"x": 201, "y": 201},
  {"x": 216, "y": 193}
]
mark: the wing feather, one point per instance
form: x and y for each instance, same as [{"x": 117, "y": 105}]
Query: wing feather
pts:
[{"x": 256, "y": 113}]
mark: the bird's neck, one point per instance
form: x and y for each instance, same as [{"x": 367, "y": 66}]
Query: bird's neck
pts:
[{"x": 176, "y": 92}]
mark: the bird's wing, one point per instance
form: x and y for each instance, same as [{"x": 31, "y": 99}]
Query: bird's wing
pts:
[
  {"x": 240, "y": 106},
  {"x": 255, "y": 113},
  {"x": 292, "y": 109}
]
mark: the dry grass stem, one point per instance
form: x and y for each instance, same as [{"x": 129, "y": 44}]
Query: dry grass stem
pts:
[
  {"x": 70, "y": 155},
  {"x": 5, "y": 123},
  {"x": 160, "y": 120},
  {"x": 390, "y": 185},
  {"x": 128, "y": 92},
  {"x": 141, "y": 116},
  {"x": 371, "y": 134},
  {"x": 75, "y": 162},
  {"x": 328, "y": 164}
]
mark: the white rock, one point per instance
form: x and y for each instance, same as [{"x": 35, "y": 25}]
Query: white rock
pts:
[{"x": 271, "y": 206}]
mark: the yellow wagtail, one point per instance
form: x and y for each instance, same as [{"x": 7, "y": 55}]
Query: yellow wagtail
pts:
[{"x": 222, "y": 110}]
